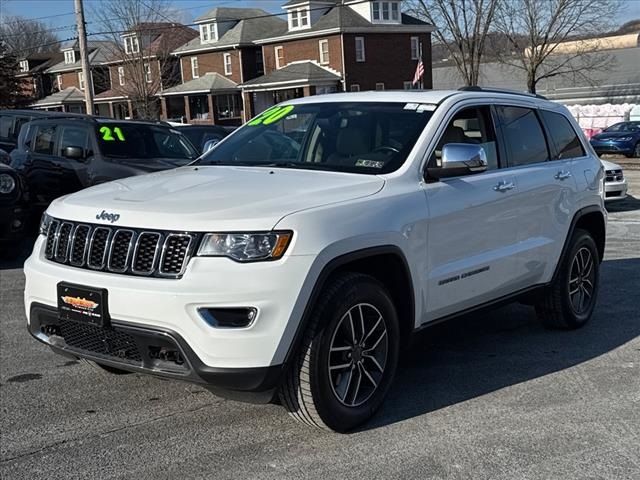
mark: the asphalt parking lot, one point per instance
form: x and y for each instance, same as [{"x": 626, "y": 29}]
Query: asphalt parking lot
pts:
[{"x": 487, "y": 396}]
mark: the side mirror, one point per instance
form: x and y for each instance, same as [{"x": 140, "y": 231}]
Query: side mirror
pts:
[
  {"x": 74, "y": 153},
  {"x": 209, "y": 144},
  {"x": 460, "y": 159}
]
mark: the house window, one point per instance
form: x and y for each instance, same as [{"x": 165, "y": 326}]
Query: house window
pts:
[
  {"x": 81, "y": 80},
  {"x": 324, "y": 52},
  {"x": 355, "y": 87},
  {"x": 360, "y": 56},
  {"x": 385, "y": 11},
  {"x": 227, "y": 64},
  {"x": 228, "y": 106},
  {"x": 131, "y": 45},
  {"x": 24, "y": 65},
  {"x": 298, "y": 18},
  {"x": 415, "y": 48},
  {"x": 379, "y": 86},
  {"x": 147, "y": 73},
  {"x": 208, "y": 33},
  {"x": 194, "y": 68},
  {"x": 279, "y": 51},
  {"x": 121, "y": 75},
  {"x": 70, "y": 56},
  {"x": 259, "y": 62},
  {"x": 59, "y": 81}
]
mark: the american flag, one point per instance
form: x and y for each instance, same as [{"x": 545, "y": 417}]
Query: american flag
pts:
[{"x": 419, "y": 72}]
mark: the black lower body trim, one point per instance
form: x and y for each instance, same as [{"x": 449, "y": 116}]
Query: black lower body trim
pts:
[{"x": 153, "y": 351}]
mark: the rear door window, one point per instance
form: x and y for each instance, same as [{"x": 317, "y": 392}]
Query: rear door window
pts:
[
  {"x": 44, "y": 139},
  {"x": 563, "y": 136},
  {"x": 73, "y": 136},
  {"x": 6, "y": 126},
  {"x": 523, "y": 136}
]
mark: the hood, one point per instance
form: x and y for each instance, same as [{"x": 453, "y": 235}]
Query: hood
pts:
[
  {"x": 612, "y": 135},
  {"x": 213, "y": 198},
  {"x": 610, "y": 165},
  {"x": 150, "y": 165}
]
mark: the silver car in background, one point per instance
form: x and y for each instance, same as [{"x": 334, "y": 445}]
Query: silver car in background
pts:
[{"x": 615, "y": 185}]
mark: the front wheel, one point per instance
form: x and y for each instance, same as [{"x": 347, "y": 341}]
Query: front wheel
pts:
[
  {"x": 348, "y": 358},
  {"x": 571, "y": 298}
]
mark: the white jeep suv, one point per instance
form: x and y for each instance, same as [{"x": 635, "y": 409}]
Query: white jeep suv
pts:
[{"x": 296, "y": 258}]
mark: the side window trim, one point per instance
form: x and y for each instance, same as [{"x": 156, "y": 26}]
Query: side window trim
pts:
[{"x": 552, "y": 152}]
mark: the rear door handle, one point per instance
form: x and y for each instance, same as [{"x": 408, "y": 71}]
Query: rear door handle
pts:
[
  {"x": 504, "y": 186},
  {"x": 561, "y": 175}
]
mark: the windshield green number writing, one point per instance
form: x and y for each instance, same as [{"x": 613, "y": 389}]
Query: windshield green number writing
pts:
[
  {"x": 271, "y": 115},
  {"x": 107, "y": 134}
]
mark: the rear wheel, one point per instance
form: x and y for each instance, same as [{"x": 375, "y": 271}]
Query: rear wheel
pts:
[
  {"x": 570, "y": 300},
  {"x": 348, "y": 358}
]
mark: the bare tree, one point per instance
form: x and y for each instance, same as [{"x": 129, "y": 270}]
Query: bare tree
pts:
[
  {"x": 23, "y": 36},
  {"x": 143, "y": 37},
  {"x": 555, "y": 37},
  {"x": 462, "y": 29}
]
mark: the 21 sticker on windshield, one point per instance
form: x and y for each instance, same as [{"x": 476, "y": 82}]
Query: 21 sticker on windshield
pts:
[
  {"x": 271, "y": 115},
  {"x": 107, "y": 134}
]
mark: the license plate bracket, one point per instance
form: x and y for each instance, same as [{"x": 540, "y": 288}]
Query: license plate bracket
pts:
[{"x": 79, "y": 303}]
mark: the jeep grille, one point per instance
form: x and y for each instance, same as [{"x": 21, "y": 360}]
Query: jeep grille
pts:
[{"x": 126, "y": 251}]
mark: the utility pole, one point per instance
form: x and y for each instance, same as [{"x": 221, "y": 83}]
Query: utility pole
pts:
[{"x": 84, "y": 55}]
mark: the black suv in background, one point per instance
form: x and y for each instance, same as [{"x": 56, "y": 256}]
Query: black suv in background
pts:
[
  {"x": 62, "y": 156},
  {"x": 12, "y": 120}
]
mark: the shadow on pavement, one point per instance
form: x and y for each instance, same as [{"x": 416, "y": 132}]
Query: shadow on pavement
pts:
[
  {"x": 480, "y": 353},
  {"x": 627, "y": 205}
]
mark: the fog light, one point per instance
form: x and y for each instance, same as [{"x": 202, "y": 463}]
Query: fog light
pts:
[{"x": 228, "y": 317}]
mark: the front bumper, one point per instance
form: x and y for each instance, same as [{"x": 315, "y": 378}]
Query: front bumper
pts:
[
  {"x": 274, "y": 289},
  {"x": 615, "y": 190},
  {"x": 146, "y": 350},
  {"x": 612, "y": 147}
]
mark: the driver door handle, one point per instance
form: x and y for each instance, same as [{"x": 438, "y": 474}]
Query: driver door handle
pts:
[
  {"x": 504, "y": 186},
  {"x": 562, "y": 175}
]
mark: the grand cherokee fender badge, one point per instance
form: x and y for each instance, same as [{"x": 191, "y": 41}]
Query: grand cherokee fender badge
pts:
[
  {"x": 112, "y": 217},
  {"x": 81, "y": 303}
]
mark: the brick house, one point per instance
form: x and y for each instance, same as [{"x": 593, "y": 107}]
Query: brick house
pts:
[
  {"x": 35, "y": 83},
  {"x": 140, "y": 67},
  {"x": 214, "y": 64},
  {"x": 67, "y": 80},
  {"x": 348, "y": 45}
]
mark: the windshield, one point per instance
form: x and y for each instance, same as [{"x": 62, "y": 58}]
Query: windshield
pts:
[
  {"x": 139, "y": 141},
  {"x": 624, "y": 127},
  {"x": 361, "y": 137}
]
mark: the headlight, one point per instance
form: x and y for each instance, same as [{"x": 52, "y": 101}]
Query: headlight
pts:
[
  {"x": 7, "y": 183},
  {"x": 45, "y": 222},
  {"x": 624, "y": 139},
  {"x": 245, "y": 247}
]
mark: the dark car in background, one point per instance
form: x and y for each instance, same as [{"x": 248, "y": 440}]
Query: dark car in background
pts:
[
  {"x": 12, "y": 120},
  {"x": 61, "y": 156},
  {"x": 201, "y": 134},
  {"x": 13, "y": 207},
  {"x": 621, "y": 138}
]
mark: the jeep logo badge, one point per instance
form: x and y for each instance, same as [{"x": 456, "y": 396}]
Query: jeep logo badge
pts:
[{"x": 112, "y": 217}]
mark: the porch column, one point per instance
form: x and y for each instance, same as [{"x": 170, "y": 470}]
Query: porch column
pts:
[
  {"x": 247, "y": 107},
  {"x": 308, "y": 91},
  {"x": 212, "y": 115},
  {"x": 111, "y": 112},
  {"x": 187, "y": 109},
  {"x": 130, "y": 108},
  {"x": 163, "y": 108}
]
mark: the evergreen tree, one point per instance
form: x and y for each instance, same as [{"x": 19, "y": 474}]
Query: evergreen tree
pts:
[{"x": 11, "y": 94}]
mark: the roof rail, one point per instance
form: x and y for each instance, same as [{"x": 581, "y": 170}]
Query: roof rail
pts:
[{"x": 475, "y": 88}]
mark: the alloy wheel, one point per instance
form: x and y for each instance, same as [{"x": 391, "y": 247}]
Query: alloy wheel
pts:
[
  {"x": 358, "y": 354},
  {"x": 582, "y": 281}
]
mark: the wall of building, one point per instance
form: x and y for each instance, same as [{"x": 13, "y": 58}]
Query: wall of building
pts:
[
  {"x": 212, "y": 62},
  {"x": 304, "y": 49},
  {"x": 387, "y": 60},
  {"x": 69, "y": 79}
]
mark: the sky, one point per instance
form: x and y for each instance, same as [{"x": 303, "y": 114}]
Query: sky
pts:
[{"x": 185, "y": 10}]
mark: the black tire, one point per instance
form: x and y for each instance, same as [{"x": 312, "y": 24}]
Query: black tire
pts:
[
  {"x": 309, "y": 391},
  {"x": 106, "y": 368},
  {"x": 562, "y": 306}
]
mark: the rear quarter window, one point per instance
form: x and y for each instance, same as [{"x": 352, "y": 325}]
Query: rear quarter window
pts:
[{"x": 562, "y": 135}]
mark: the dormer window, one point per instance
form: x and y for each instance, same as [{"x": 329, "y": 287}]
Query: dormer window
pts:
[
  {"x": 382, "y": 12},
  {"x": 298, "y": 18},
  {"x": 69, "y": 56},
  {"x": 131, "y": 44},
  {"x": 208, "y": 33},
  {"x": 24, "y": 66}
]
